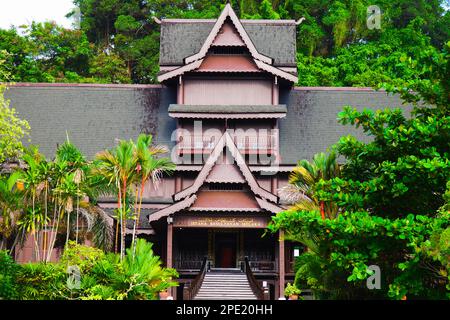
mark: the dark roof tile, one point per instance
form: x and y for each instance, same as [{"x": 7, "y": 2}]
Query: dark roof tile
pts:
[{"x": 182, "y": 39}]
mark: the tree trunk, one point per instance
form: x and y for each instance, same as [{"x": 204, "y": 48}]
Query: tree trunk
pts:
[
  {"x": 119, "y": 203},
  {"x": 322, "y": 210},
  {"x": 78, "y": 217},
  {"x": 123, "y": 216}
]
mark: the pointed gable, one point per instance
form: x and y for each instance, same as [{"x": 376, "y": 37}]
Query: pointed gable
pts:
[
  {"x": 229, "y": 13},
  {"x": 228, "y": 31},
  {"x": 228, "y": 36},
  {"x": 226, "y": 143},
  {"x": 192, "y": 198}
]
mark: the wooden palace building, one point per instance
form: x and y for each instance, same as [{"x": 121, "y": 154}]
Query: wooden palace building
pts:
[{"x": 228, "y": 110}]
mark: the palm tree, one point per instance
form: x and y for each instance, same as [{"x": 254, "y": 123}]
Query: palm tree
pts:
[
  {"x": 10, "y": 206},
  {"x": 148, "y": 166},
  {"x": 74, "y": 183},
  {"x": 300, "y": 192},
  {"x": 118, "y": 167},
  {"x": 34, "y": 184},
  {"x": 78, "y": 165}
]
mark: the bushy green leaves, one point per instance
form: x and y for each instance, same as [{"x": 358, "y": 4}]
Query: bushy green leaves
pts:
[
  {"x": 12, "y": 130},
  {"x": 138, "y": 276},
  {"x": 347, "y": 245}
]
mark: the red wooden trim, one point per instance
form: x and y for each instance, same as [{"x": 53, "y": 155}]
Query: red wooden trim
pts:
[{"x": 281, "y": 261}]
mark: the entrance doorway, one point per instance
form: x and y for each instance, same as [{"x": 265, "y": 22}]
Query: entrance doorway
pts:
[{"x": 225, "y": 249}]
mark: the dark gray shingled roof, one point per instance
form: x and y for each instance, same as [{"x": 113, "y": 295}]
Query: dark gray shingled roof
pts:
[
  {"x": 311, "y": 125},
  {"x": 185, "y": 38},
  {"x": 227, "y": 109},
  {"x": 95, "y": 115},
  {"x": 143, "y": 219}
]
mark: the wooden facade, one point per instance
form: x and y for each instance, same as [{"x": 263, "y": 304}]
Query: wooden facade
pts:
[
  {"x": 217, "y": 205},
  {"x": 227, "y": 116}
]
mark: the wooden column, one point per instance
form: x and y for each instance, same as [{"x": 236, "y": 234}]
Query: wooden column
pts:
[
  {"x": 169, "y": 244},
  {"x": 275, "y": 91},
  {"x": 281, "y": 261},
  {"x": 178, "y": 185},
  {"x": 274, "y": 184},
  {"x": 180, "y": 95}
]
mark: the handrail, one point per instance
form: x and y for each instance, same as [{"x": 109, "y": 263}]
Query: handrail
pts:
[
  {"x": 190, "y": 290},
  {"x": 261, "y": 293}
]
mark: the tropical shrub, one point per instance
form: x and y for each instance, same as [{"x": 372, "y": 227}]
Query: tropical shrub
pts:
[
  {"x": 102, "y": 276},
  {"x": 392, "y": 195},
  {"x": 8, "y": 274},
  {"x": 83, "y": 257},
  {"x": 291, "y": 289}
]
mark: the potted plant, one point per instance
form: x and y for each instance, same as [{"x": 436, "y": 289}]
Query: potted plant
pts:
[{"x": 292, "y": 291}]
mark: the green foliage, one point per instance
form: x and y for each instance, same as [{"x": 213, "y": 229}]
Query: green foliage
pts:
[
  {"x": 301, "y": 193},
  {"x": 42, "y": 281},
  {"x": 83, "y": 257},
  {"x": 8, "y": 273},
  {"x": 392, "y": 194},
  {"x": 346, "y": 246},
  {"x": 12, "y": 130},
  {"x": 291, "y": 289},
  {"x": 119, "y": 42},
  {"x": 138, "y": 276}
]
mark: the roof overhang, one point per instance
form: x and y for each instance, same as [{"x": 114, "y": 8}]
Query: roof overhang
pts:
[
  {"x": 228, "y": 112},
  {"x": 228, "y": 12}
]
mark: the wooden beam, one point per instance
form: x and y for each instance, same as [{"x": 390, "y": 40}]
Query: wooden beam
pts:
[
  {"x": 180, "y": 95},
  {"x": 275, "y": 91},
  {"x": 282, "y": 267},
  {"x": 169, "y": 244}
]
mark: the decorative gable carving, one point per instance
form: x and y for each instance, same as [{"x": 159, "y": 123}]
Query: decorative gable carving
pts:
[{"x": 228, "y": 36}]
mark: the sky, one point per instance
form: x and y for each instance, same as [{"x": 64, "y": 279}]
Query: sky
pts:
[{"x": 18, "y": 12}]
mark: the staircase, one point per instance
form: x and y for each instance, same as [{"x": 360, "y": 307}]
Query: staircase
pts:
[{"x": 225, "y": 286}]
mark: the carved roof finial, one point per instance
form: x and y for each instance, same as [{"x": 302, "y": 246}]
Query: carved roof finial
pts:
[
  {"x": 299, "y": 21},
  {"x": 156, "y": 20}
]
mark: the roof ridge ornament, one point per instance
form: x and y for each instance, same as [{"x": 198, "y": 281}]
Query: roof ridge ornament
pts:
[
  {"x": 228, "y": 12},
  {"x": 156, "y": 20},
  {"x": 299, "y": 21}
]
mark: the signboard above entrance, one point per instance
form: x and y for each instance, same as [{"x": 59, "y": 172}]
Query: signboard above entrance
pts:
[{"x": 184, "y": 221}]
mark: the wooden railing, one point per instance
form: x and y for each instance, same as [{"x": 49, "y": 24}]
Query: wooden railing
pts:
[
  {"x": 191, "y": 289},
  {"x": 260, "y": 292},
  {"x": 263, "y": 265},
  {"x": 193, "y": 265},
  {"x": 245, "y": 144}
]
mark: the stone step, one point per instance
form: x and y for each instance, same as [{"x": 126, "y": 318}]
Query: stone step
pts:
[
  {"x": 215, "y": 277},
  {"x": 223, "y": 298},
  {"x": 225, "y": 290},
  {"x": 226, "y": 295},
  {"x": 225, "y": 286}
]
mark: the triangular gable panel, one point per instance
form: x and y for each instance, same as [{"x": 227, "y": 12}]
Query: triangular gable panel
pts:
[
  {"x": 225, "y": 173},
  {"x": 223, "y": 200},
  {"x": 228, "y": 63},
  {"x": 228, "y": 12},
  {"x": 228, "y": 36},
  {"x": 226, "y": 141}
]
